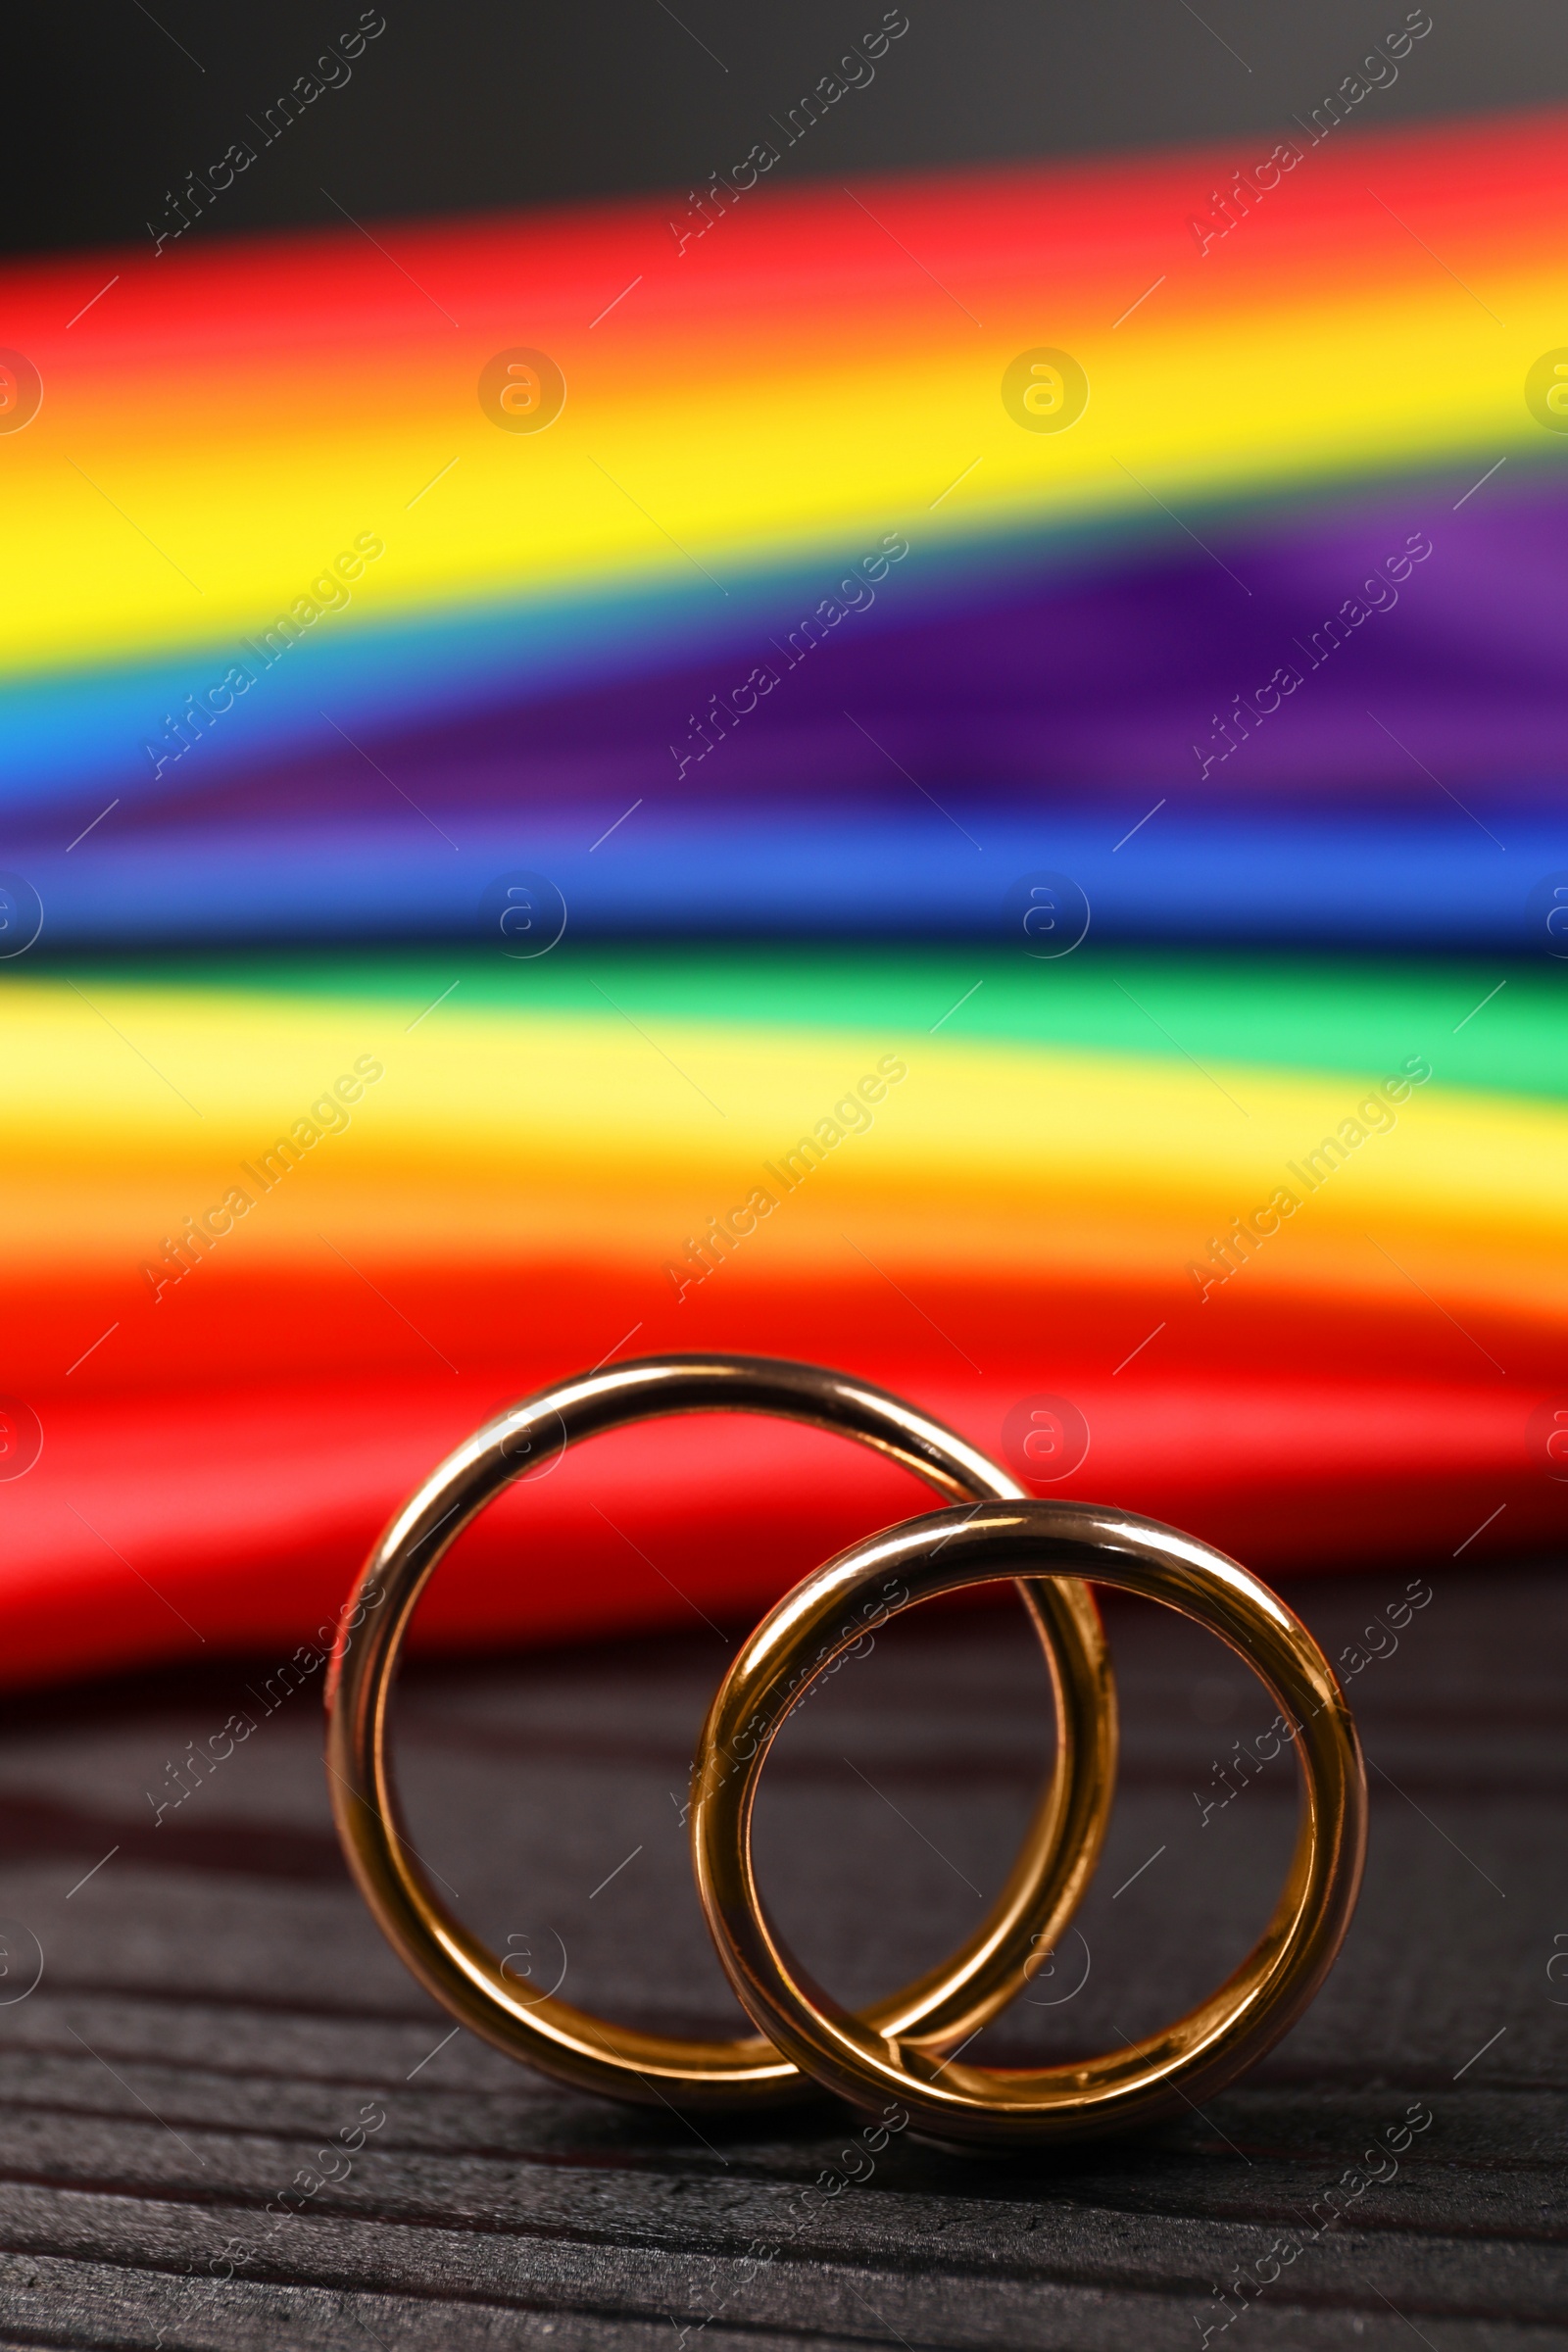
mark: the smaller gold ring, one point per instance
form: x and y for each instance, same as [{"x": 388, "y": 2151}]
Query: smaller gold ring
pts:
[{"x": 973, "y": 2106}]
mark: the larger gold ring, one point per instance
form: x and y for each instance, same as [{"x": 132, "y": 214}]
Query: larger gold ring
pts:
[
  {"x": 1060, "y": 1847},
  {"x": 972, "y": 2106}
]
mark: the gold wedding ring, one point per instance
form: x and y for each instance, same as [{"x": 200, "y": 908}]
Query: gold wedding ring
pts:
[
  {"x": 1167, "y": 2072},
  {"x": 1043, "y": 1890},
  {"x": 897, "y": 2050}
]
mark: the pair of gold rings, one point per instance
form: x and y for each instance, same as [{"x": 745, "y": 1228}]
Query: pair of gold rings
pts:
[{"x": 897, "y": 2050}]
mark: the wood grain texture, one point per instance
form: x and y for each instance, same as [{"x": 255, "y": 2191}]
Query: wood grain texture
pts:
[{"x": 216, "y": 2008}]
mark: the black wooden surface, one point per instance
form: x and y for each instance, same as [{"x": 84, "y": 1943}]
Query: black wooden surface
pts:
[{"x": 214, "y": 2007}]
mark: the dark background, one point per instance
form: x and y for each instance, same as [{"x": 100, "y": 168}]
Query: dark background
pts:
[{"x": 468, "y": 106}]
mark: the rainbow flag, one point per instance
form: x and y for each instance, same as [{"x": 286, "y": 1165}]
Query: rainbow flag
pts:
[
  {"x": 800, "y": 595},
  {"x": 1271, "y": 1249},
  {"x": 960, "y": 777}
]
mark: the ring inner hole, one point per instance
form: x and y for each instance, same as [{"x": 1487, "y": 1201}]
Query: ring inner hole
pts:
[
  {"x": 547, "y": 1786},
  {"x": 894, "y": 1801}
]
